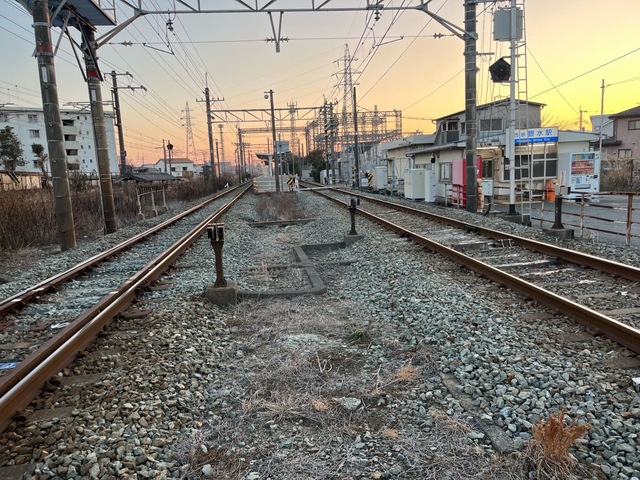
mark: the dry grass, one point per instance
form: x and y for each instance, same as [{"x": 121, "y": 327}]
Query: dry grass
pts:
[
  {"x": 618, "y": 176},
  {"x": 202, "y": 448},
  {"x": 279, "y": 206},
  {"x": 27, "y": 217},
  {"x": 389, "y": 433},
  {"x": 404, "y": 374},
  {"x": 548, "y": 451}
]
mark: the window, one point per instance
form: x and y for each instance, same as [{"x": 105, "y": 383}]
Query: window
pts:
[
  {"x": 487, "y": 168},
  {"x": 72, "y": 151},
  {"x": 634, "y": 124},
  {"x": 184, "y": 169},
  {"x": 67, "y": 123},
  {"x": 4, "y": 117},
  {"x": 544, "y": 167},
  {"x": 34, "y": 133},
  {"x": 491, "y": 125},
  {"x": 69, "y": 138},
  {"x": 32, "y": 118},
  {"x": 624, "y": 153},
  {"x": 445, "y": 172},
  {"x": 35, "y": 164}
]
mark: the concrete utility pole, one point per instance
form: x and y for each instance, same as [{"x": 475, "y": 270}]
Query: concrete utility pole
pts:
[
  {"x": 164, "y": 152},
  {"x": 116, "y": 106},
  {"x": 470, "y": 54},
  {"x": 276, "y": 161},
  {"x": 221, "y": 147},
  {"x": 207, "y": 99},
  {"x": 218, "y": 157},
  {"x": 511, "y": 133},
  {"x": 240, "y": 156},
  {"x": 53, "y": 125},
  {"x": 99, "y": 127}
]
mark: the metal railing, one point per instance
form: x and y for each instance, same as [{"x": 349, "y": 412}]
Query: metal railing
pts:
[{"x": 591, "y": 217}]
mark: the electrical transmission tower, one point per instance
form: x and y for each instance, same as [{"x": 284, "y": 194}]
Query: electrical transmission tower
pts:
[
  {"x": 190, "y": 142},
  {"x": 347, "y": 101}
]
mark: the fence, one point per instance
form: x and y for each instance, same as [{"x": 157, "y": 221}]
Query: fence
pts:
[{"x": 609, "y": 214}]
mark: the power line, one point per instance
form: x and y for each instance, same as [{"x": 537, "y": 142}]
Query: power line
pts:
[{"x": 587, "y": 72}]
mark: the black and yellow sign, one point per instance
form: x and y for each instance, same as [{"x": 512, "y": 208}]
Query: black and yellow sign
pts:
[
  {"x": 369, "y": 177},
  {"x": 290, "y": 181}
]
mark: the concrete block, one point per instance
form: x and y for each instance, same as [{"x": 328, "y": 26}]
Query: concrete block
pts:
[
  {"x": 564, "y": 233},
  {"x": 222, "y": 296},
  {"x": 351, "y": 239}
]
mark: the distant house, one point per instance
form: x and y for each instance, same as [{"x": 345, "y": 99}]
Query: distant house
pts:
[
  {"x": 179, "y": 167},
  {"x": 624, "y": 142}
]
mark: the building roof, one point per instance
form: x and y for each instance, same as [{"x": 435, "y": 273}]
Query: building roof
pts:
[
  {"x": 148, "y": 177},
  {"x": 632, "y": 112},
  {"x": 497, "y": 103},
  {"x": 409, "y": 141}
]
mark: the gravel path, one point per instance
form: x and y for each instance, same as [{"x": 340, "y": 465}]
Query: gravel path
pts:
[{"x": 408, "y": 368}]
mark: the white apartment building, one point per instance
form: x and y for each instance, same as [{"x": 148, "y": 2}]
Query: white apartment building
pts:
[{"x": 28, "y": 126}]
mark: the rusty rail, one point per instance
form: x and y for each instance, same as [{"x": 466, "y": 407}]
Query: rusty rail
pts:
[
  {"x": 20, "y": 386},
  {"x": 20, "y": 299},
  {"x": 611, "y": 328},
  {"x": 609, "y": 266}
]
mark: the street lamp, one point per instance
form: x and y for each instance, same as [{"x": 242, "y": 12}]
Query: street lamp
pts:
[{"x": 269, "y": 95}]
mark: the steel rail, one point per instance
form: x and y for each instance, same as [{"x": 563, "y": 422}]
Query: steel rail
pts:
[
  {"x": 20, "y": 386},
  {"x": 20, "y": 299},
  {"x": 611, "y": 328},
  {"x": 601, "y": 264}
]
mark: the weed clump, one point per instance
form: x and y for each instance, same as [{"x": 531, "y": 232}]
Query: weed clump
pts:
[
  {"x": 548, "y": 450},
  {"x": 278, "y": 207}
]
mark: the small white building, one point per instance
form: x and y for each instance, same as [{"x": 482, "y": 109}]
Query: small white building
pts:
[
  {"x": 77, "y": 127},
  {"x": 178, "y": 167}
]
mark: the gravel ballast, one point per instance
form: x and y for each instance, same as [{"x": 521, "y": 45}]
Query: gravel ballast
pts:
[{"x": 409, "y": 367}]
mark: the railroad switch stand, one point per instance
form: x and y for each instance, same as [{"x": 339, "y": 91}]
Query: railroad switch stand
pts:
[{"x": 216, "y": 234}]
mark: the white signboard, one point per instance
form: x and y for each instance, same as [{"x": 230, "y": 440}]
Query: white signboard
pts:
[{"x": 536, "y": 135}]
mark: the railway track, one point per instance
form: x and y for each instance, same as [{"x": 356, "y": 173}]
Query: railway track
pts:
[
  {"x": 609, "y": 302},
  {"x": 45, "y": 326}
]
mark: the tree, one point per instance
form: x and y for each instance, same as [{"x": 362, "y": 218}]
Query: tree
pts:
[
  {"x": 42, "y": 157},
  {"x": 317, "y": 162},
  {"x": 11, "y": 154}
]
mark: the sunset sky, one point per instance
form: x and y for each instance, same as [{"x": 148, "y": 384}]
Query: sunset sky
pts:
[{"x": 571, "y": 46}]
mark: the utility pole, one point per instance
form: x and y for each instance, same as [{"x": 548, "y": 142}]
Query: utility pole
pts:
[
  {"x": 276, "y": 162},
  {"x": 208, "y": 101},
  {"x": 116, "y": 106},
  {"x": 511, "y": 133},
  {"x": 240, "y": 156},
  {"x": 53, "y": 125},
  {"x": 170, "y": 148},
  {"x": 471, "y": 162},
  {"x": 218, "y": 157},
  {"x": 164, "y": 152},
  {"x": 221, "y": 147},
  {"x": 97, "y": 113}
]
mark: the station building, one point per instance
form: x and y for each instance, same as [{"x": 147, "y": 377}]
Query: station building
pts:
[{"x": 541, "y": 154}]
